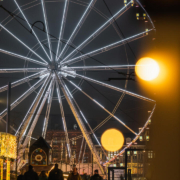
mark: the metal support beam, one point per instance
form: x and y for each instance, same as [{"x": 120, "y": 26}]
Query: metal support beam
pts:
[
  {"x": 29, "y": 134},
  {"x": 46, "y": 119},
  {"x": 63, "y": 119}
]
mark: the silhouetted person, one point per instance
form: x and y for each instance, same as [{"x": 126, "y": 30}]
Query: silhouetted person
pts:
[
  {"x": 30, "y": 174},
  {"x": 74, "y": 175},
  {"x": 20, "y": 177},
  {"x": 96, "y": 176},
  {"x": 84, "y": 176},
  {"x": 43, "y": 176},
  {"x": 56, "y": 174}
]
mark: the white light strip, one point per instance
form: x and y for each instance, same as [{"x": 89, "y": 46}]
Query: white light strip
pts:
[
  {"x": 92, "y": 131},
  {"x": 43, "y": 88},
  {"x": 31, "y": 28},
  {"x": 107, "y": 111},
  {"x": 119, "y": 120},
  {"x": 69, "y": 91},
  {"x": 101, "y": 28},
  {"x": 98, "y": 103},
  {"x": 21, "y": 81},
  {"x": 78, "y": 26},
  {"x": 30, "y": 109},
  {"x": 83, "y": 117},
  {"x": 47, "y": 28},
  {"x": 20, "y": 70},
  {"x": 108, "y": 67},
  {"x": 113, "y": 87},
  {"x": 17, "y": 100},
  {"x": 22, "y": 43},
  {"x": 62, "y": 27},
  {"x": 107, "y": 48},
  {"x": 97, "y": 139},
  {"x": 23, "y": 57},
  {"x": 75, "y": 85},
  {"x": 135, "y": 139}
]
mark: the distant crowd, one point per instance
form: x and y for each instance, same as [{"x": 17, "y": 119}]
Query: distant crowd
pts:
[{"x": 56, "y": 174}]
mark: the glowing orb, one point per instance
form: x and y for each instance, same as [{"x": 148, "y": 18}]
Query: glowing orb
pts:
[
  {"x": 147, "y": 69},
  {"x": 112, "y": 140}
]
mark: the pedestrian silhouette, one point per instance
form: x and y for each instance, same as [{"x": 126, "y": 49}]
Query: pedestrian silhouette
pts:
[
  {"x": 20, "y": 177},
  {"x": 96, "y": 176},
  {"x": 30, "y": 174},
  {"x": 74, "y": 175},
  {"x": 56, "y": 174}
]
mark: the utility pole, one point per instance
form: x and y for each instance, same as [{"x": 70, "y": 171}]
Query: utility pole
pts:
[
  {"x": 92, "y": 164},
  {"x": 8, "y": 107}
]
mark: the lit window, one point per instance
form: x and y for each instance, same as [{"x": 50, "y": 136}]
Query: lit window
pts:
[
  {"x": 147, "y": 138},
  {"x": 147, "y": 31},
  {"x": 137, "y": 16},
  {"x": 135, "y": 153},
  {"x": 121, "y": 164},
  {"x": 144, "y": 15},
  {"x": 132, "y": 2},
  {"x": 150, "y": 154},
  {"x": 128, "y": 153},
  {"x": 149, "y": 121},
  {"x": 140, "y": 138}
]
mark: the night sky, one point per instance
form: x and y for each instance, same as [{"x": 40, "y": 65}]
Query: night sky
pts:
[{"x": 163, "y": 45}]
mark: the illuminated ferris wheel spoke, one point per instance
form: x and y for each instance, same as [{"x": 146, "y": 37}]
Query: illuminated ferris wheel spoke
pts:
[
  {"x": 135, "y": 139},
  {"x": 61, "y": 33},
  {"x": 98, "y": 68},
  {"x": 47, "y": 28},
  {"x": 22, "y": 97},
  {"x": 98, "y": 31},
  {"x": 23, "y": 57},
  {"x": 21, "y": 131},
  {"x": 22, "y": 43},
  {"x": 106, "y": 119},
  {"x": 26, "y": 79},
  {"x": 80, "y": 123},
  {"x": 78, "y": 27},
  {"x": 49, "y": 102},
  {"x": 32, "y": 29},
  {"x": 86, "y": 121},
  {"x": 107, "y": 48},
  {"x": 102, "y": 107},
  {"x": 111, "y": 87},
  {"x": 63, "y": 119},
  {"x": 29, "y": 134},
  {"x": 21, "y": 70}
]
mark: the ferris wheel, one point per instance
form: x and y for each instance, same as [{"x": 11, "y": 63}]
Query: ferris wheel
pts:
[{"x": 52, "y": 64}]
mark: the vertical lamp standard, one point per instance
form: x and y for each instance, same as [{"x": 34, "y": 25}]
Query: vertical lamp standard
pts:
[{"x": 8, "y": 144}]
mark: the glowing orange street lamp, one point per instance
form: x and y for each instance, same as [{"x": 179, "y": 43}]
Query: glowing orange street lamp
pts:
[
  {"x": 147, "y": 69},
  {"x": 112, "y": 140}
]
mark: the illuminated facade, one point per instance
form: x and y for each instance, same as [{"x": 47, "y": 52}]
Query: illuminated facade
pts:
[{"x": 57, "y": 141}]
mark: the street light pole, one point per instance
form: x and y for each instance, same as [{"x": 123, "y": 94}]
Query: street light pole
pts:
[{"x": 8, "y": 107}]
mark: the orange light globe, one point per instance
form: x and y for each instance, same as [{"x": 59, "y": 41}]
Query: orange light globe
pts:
[
  {"x": 112, "y": 140},
  {"x": 147, "y": 69}
]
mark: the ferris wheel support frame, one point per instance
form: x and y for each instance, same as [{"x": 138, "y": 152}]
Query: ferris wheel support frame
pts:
[
  {"x": 63, "y": 119},
  {"x": 80, "y": 122},
  {"x": 98, "y": 31},
  {"x": 46, "y": 118},
  {"x": 30, "y": 113},
  {"x": 78, "y": 27},
  {"x": 29, "y": 134}
]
